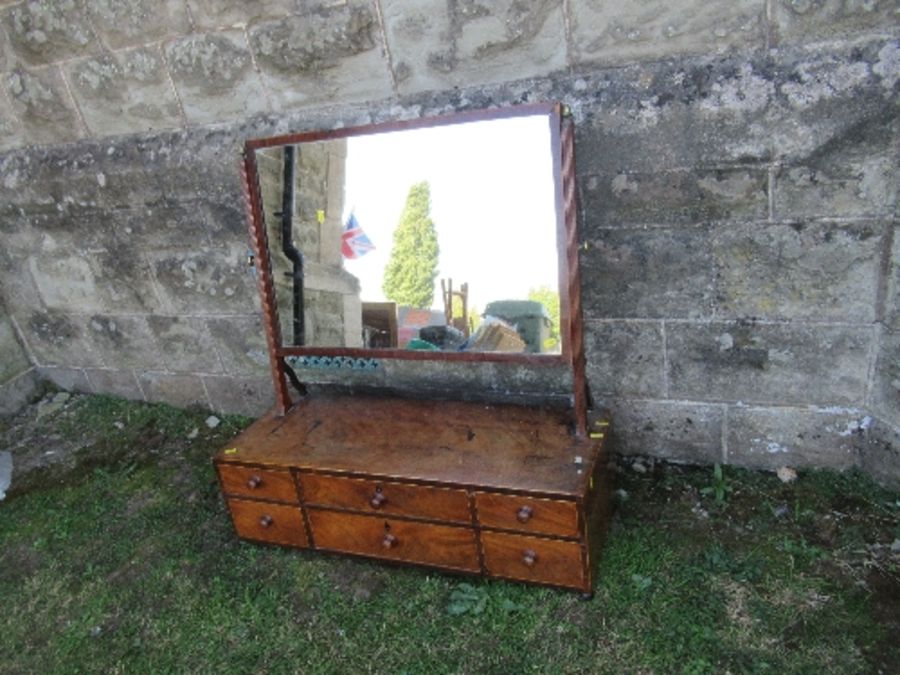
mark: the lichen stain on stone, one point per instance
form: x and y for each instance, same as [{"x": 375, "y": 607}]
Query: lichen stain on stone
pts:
[
  {"x": 888, "y": 65},
  {"x": 747, "y": 91},
  {"x": 315, "y": 43},
  {"x": 53, "y": 328},
  {"x": 38, "y": 26},
  {"x": 524, "y": 21},
  {"x": 210, "y": 63}
]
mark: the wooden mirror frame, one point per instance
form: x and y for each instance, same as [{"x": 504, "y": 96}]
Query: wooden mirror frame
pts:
[{"x": 563, "y": 152}]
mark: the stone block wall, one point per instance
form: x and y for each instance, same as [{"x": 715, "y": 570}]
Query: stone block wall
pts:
[
  {"x": 737, "y": 179},
  {"x": 18, "y": 377}
]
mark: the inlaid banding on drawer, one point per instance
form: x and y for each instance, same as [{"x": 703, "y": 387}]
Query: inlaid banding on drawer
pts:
[
  {"x": 527, "y": 514},
  {"x": 276, "y": 523},
  {"x": 546, "y": 561},
  {"x": 440, "y": 545},
  {"x": 259, "y": 483},
  {"x": 371, "y": 496}
]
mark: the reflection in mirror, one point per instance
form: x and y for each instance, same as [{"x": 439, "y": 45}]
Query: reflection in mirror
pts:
[{"x": 439, "y": 238}]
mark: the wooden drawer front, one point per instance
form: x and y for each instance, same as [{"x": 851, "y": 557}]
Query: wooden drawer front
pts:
[
  {"x": 441, "y": 545},
  {"x": 548, "y": 561},
  {"x": 386, "y": 497},
  {"x": 546, "y": 516},
  {"x": 276, "y": 523},
  {"x": 259, "y": 483}
]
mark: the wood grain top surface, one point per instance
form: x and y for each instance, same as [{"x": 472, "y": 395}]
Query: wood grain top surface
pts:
[{"x": 472, "y": 444}]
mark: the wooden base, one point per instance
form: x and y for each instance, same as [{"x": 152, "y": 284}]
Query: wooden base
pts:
[{"x": 498, "y": 490}]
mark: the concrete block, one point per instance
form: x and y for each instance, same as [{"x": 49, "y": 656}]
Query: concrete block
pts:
[
  {"x": 46, "y": 31},
  {"x": 674, "y": 197},
  {"x": 212, "y": 14},
  {"x": 809, "y": 20},
  {"x": 137, "y": 22},
  {"x": 15, "y": 393},
  {"x": 251, "y": 396},
  {"x": 124, "y": 341},
  {"x": 851, "y": 174},
  {"x": 13, "y": 359},
  {"x": 622, "y": 33},
  {"x": 214, "y": 76},
  {"x": 647, "y": 273},
  {"x": 57, "y": 339},
  {"x": 885, "y": 396},
  {"x": 332, "y": 53},
  {"x": 681, "y": 432},
  {"x": 67, "y": 379},
  {"x": 124, "y": 92},
  {"x": 879, "y": 453},
  {"x": 121, "y": 383},
  {"x": 437, "y": 45},
  {"x": 817, "y": 271},
  {"x": 185, "y": 344},
  {"x": 204, "y": 280},
  {"x": 180, "y": 391},
  {"x": 43, "y": 106},
  {"x": 625, "y": 358},
  {"x": 241, "y": 343},
  {"x": 769, "y": 363},
  {"x": 769, "y": 438}
]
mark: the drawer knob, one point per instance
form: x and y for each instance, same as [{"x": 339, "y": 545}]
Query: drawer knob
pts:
[
  {"x": 378, "y": 500},
  {"x": 389, "y": 541},
  {"x": 524, "y": 514},
  {"x": 529, "y": 557},
  {"x": 265, "y": 521},
  {"x": 254, "y": 482}
]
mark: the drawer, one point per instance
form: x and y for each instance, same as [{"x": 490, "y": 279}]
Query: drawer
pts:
[
  {"x": 439, "y": 545},
  {"x": 386, "y": 497},
  {"x": 546, "y": 561},
  {"x": 275, "y": 523},
  {"x": 527, "y": 514},
  {"x": 258, "y": 483}
]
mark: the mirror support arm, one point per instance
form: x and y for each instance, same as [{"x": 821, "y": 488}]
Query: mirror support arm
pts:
[{"x": 287, "y": 244}]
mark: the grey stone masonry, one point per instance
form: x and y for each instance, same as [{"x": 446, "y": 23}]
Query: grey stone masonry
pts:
[{"x": 737, "y": 178}]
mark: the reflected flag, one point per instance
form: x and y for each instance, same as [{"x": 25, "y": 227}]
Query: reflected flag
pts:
[{"x": 354, "y": 242}]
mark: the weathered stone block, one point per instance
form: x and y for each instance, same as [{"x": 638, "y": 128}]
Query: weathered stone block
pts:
[
  {"x": 124, "y": 92},
  {"x": 769, "y": 438},
  {"x": 18, "y": 391},
  {"x": 808, "y": 20},
  {"x": 13, "y": 360},
  {"x": 215, "y": 78},
  {"x": 439, "y": 45},
  {"x": 819, "y": 271},
  {"x": 647, "y": 273},
  {"x": 137, "y": 22},
  {"x": 16, "y": 285},
  {"x": 890, "y": 312},
  {"x": 879, "y": 452},
  {"x": 251, "y": 396},
  {"x": 334, "y": 52},
  {"x": 669, "y": 197},
  {"x": 124, "y": 341},
  {"x": 177, "y": 390},
  {"x": 57, "y": 339},
  {"x": 10, "y": 128},
  {"x": 769, "y": 363},
  {"x": 682, "y": 432},
  {"x": 852, "y": 174},
  {"x": 885, "y": 398},
  {"x": 185, "y": 344},
  {"x": 114, "y": 383},
  {"x": 42, "y": 105},
  {"x": 625, "y": 358},
  {"x": 205, "y": 280},
  {"x": 241, "y": 343},
  {"x": 68, "y": 379},
  {"x": 617, "y": 33},
  {"x": 45, "y": 31},
  {"x": 212, "y": 14}
]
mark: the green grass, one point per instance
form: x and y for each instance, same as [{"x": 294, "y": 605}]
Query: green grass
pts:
[{"x": 132, "y": 566}]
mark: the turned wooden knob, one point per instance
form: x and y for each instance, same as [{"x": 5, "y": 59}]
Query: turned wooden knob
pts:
[
  {"x": 524, "y": 514},
  {"x": 254, "y": 482},
  {"x": 378, "y": 500},
  {"x": 389, "y": 541},
  {"x": 529, "y": 557},
  {"x": 265, "y": 521}
]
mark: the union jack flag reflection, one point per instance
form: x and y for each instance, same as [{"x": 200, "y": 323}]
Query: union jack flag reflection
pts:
[{"x": 354, "y": 242}]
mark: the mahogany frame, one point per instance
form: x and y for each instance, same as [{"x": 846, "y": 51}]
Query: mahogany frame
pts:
[{"x": 571, "y": 326}]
